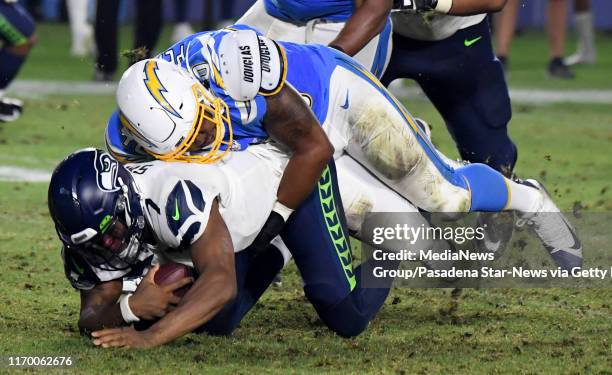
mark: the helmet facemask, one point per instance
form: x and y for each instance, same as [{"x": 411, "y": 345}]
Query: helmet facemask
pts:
[
  {"x": 117, "y": 242},
  {"x": 209, "y": 109}
]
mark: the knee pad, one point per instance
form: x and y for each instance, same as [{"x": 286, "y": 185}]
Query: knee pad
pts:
[{"x": 344, "y": 318}]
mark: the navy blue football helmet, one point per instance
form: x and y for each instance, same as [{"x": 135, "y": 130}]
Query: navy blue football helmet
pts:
[{"x": 96, "y": 209}]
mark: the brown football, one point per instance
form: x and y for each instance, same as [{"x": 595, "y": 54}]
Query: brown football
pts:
[{"x": 171, "y": 272}]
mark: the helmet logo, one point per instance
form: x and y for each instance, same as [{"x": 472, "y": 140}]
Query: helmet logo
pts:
[
  {"x": 202, "y": 71},
  {"x": 105, "y": 222},
  {"x": 106, "y": 168},
  {"x": 156, "y": 88}
]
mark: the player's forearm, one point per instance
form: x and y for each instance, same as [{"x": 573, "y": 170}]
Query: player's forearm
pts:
[
  {"x": 93, "y": 318},
  {"x": 208, "y": 295},
  {"x": 471, "y": 7},
  {"x": 301, "y": 175},
  {"x": 367, "y": 22}
]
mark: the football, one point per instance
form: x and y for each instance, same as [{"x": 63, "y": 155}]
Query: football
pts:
[{"x": 171, "y": 272}]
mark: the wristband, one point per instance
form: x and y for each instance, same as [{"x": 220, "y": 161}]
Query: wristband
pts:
[
  {"x": 126, "y": 312},
  {"x": 444, "y": 6},
  {"x": 282, "y": 210}
]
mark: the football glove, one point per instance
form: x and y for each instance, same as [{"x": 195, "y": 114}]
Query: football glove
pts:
[{"x": 272, "y": 227}]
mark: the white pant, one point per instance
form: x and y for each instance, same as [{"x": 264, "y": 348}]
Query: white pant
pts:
[
  {"x": 374, "y": 129},
  {"x": 315, "y": 31}
]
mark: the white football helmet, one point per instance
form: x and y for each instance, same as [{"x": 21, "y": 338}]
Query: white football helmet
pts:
[{"x": 164, "y": 108}]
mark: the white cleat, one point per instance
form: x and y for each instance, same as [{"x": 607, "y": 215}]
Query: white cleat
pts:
[
  {"x": 554, "y": 231},
  {"x": 580, "y": 58}
]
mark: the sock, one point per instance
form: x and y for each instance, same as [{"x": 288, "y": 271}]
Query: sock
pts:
[
  {"x": 586, "y": 35},
  {"x": 487, "y": 186},
  {"x": 9, "y": 67},
  {"x": 523, "y": 198},
  {"x": 77, "y": 10}
]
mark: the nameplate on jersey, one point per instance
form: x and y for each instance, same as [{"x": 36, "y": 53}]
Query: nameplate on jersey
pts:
[{"x": 250, "y": 64}]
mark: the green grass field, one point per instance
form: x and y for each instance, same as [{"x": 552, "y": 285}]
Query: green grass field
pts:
[{"x": 419, "y": 331}]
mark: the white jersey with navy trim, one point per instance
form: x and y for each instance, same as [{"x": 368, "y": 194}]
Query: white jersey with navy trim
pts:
[{"x": 177, "y": 198}]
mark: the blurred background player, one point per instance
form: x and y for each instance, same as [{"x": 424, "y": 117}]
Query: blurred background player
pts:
[
  {"x": 556, "y": 27},
  {"x": 361, "y": 29},
  {"x": 449, "y": 53},
  {"x": 182, "y": 28},
  {"x": 586, "y": 52},
  {"x": 18, "y": 38},
  {"x": 81, "y": 31},
  {"x": 147, "y": 30}
]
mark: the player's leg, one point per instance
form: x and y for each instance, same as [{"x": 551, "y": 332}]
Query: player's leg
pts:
[
  {"x": 105, "y": 33},
  {"x": 479, "y": 107},
  {"x": 586, "y": 53},
  {"x": 254, "y": 274},
  {"x": 148, "y": 24},
  {"x": 271, "y": 27},
  {"x": 374, "y": 56},
  {"x": 376, "y": 130},
  {"x": 80, "y": 30},
  {"x": 182, "y": 28},
  {"x": 362, "y": 193},
  {"x": 556, "y": 27},
  {"x": 317, "y": 236},
  {"x": 18, "y": 38},
  {"x": 505, "y": 23}
]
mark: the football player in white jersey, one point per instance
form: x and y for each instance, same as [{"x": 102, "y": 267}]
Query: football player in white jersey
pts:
[
  {"x": 199, "y": 215},
  {"x": 466, "y": 84},
  {"x": 249, "y": 85}
]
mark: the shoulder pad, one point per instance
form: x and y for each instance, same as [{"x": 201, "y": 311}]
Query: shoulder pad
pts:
[
  {"x": 251, "y": 64},
  {"x": 186, "y": 214}
]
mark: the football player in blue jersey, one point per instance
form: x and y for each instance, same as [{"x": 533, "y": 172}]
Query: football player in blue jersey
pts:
[
  {"x": 251, "y": 87},
  {"x": 18, "y": 38},
  {"x": 359, "y": 28}
]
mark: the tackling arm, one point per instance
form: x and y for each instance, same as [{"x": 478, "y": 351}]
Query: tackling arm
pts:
[
  {"x": 99, "y": 307},
  {"x": 368, "y": 21},
  {"x": 289, "y": 121}
]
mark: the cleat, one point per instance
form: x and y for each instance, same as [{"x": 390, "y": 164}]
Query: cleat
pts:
[
  {"x": 10, "y": 109},
  {"x": 101, "y": 76},
  {"x": 580, "y": 58},
  {"x": 278, "y": 281},
  {"x": 554, "y": 231},
  {"x": 557, "y": 69}
]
